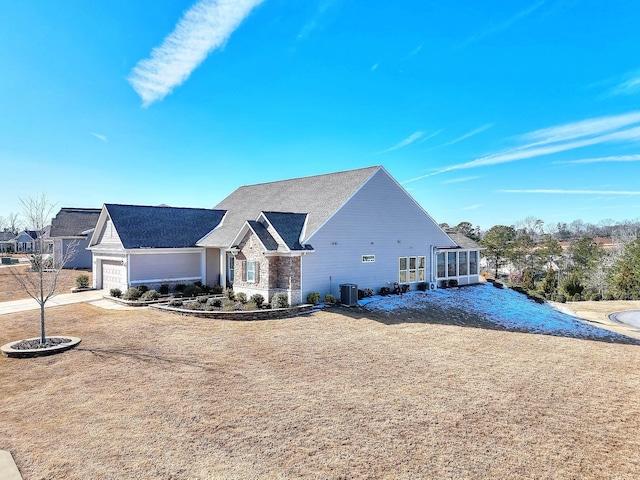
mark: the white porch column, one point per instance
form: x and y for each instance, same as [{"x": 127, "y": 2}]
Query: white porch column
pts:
[
  {"x": 203, "y": 265},
  {"x": 223, "y": 268}
]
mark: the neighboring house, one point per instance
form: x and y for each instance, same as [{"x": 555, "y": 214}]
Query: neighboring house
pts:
[
  {"x": 298, "y": 236},
  {"x": 136, "y": 245},
  {"x": 7, "y": 241},
  {"x": 72, "y": 227}
]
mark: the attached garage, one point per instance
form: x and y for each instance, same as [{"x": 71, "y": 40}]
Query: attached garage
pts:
[{"x": 114, "y": 275}]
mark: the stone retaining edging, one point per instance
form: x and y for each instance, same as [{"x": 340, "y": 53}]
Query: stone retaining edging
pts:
[{"x": 266, "y": 314}]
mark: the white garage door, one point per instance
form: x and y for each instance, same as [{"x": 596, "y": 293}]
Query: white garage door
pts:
[{"x": 114, "y": 275}]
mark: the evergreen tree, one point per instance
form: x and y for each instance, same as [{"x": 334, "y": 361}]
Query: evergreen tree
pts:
[{"x": 498, "y": 243}]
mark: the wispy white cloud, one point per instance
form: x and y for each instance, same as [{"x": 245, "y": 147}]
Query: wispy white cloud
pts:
[
  {"x": 573, "y": 192},
  {"x": 323, "y": 7},
  {"x": 611, "y": 129},
  {"x": 204, "y": 27},
  {"x": 612, "y": 159},
  {"x": 473, "y": 207},
  {"x": 407, "y": 141},
  {"x": 467, "y": 135},
  {"x": 414, "y": 52},
  {"x": 504, "y": 25},
  {"x": 99, "y": 137},
  {"x": 461, "y": 180},
  {"x": 629, "y": 86}
]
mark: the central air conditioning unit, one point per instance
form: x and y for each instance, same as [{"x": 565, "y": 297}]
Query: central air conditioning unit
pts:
[
  {"x": 349, "y": 294},
  {"x": 433, "y": 286}
]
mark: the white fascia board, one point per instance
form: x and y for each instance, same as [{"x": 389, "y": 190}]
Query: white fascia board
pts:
[
  {"x": 282, "y": 246},
  {"x": 240, "y": 235},
  {"x": 102, "y": 219},
  {"x": 161, "y": 251}
]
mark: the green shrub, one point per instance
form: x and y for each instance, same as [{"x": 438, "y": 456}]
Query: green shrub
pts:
[
  {"x": 280, "y": 300},
  {"x": 202, "y": 299},
  {"x": 115, "y": 292},
  {"x": 241, "y": 297},
  {"x": 217, "y": 289},
  {"x": 595, "y": 297},
  {"x": 175, "y": 303},
  {"x": 422, "y": 286},
  {"x": 180, "y": 287},
  {"x": 330, "y": 299},
  {"x": 536, "y": 298},
  {"x": 150, "y": 295},
  {"x": 192, "y": 291},
  {"x": 164, "y": 289},
  {"x": 251, "y": 305},
  {"x": 559, "y": 297},
  {"x": 230, "y": 294},
  {"x": 573, "y": 285},
  {"x": 132, "y": 294},
  {"x": 609, "y": 296},
  {"x": 527, "y": 280},
  {"x": 228, "y": 305},
  {"x": 313, "y": 298},
  {"x": 384, "y": 291},
  {"x": 257, "y": 299},
  {"x": 82, "y": 281},
  {"x": 215, "y": 302}
]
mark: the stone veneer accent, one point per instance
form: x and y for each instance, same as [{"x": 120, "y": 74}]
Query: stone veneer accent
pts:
[{"x": 274, "y": 273}]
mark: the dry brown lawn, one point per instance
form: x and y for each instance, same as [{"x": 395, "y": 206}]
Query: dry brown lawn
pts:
[
  {"x": 10, "y": 289},
  {"x": 333, "y": 395}
]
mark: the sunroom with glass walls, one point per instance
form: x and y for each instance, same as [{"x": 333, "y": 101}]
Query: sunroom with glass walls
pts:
[{"x": 456, "y": 267}]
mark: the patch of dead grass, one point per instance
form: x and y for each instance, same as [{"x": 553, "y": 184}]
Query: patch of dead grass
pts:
[
  {"x": 153, "y": 395},
  {"x": 10, "y": 289}
]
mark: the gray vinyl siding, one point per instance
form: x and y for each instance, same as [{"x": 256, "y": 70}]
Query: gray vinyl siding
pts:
[
  {"x": 164, "y": 266},
  {"x": 213, "y": 266},
  {"x": 108, "y": 235},
  {"x": 381, "y": 219},
  {"x": 82, "y": 258}
]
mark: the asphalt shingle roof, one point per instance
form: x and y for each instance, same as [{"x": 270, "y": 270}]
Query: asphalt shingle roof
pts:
[
  {"x": 162, "y": 227},
  {"x": 463, "y": 241},
  {"x": 263, "y": 234},
  {"x": 71, "y": 222},
  {"x": 318, "y": 196},
  {"x": 289, "y": 226}
]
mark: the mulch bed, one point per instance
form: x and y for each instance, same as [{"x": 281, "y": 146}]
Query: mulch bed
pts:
[{"x": 35, "y": 343}]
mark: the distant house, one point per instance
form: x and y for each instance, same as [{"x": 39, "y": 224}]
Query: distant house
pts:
[
  {"x": 297, "y": 236},
  {"x": 7, "y": 241},
  {"x": 73, "y": 227}
]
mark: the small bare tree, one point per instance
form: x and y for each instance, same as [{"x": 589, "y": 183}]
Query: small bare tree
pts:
[
  {"x": 14, "y": 224},
  {"x": 40, "y": 280}
]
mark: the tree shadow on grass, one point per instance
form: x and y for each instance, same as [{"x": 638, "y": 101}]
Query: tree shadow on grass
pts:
[{"x": 435, "y": 315}]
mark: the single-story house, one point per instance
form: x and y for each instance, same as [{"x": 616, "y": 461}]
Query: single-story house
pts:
[
  {"x": 73, "y": 227},
  {"x": 7, "y": 241},
  {"x": 298, "y": 236},
  {"x": 25, "y": 241}
]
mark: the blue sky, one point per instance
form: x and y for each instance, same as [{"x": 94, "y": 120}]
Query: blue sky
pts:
[{"x": 486, "y": 112}]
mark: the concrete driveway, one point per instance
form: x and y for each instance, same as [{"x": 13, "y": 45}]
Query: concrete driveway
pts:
[{"x": 92, "y": 296}]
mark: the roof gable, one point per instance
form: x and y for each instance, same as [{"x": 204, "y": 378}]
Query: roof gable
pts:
[
  {"x": 162, "y": 227},
  {"x": 289, "y": 227},
  {"x": 318, "y": 196},
  {"x": 73, "y": 222}
]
